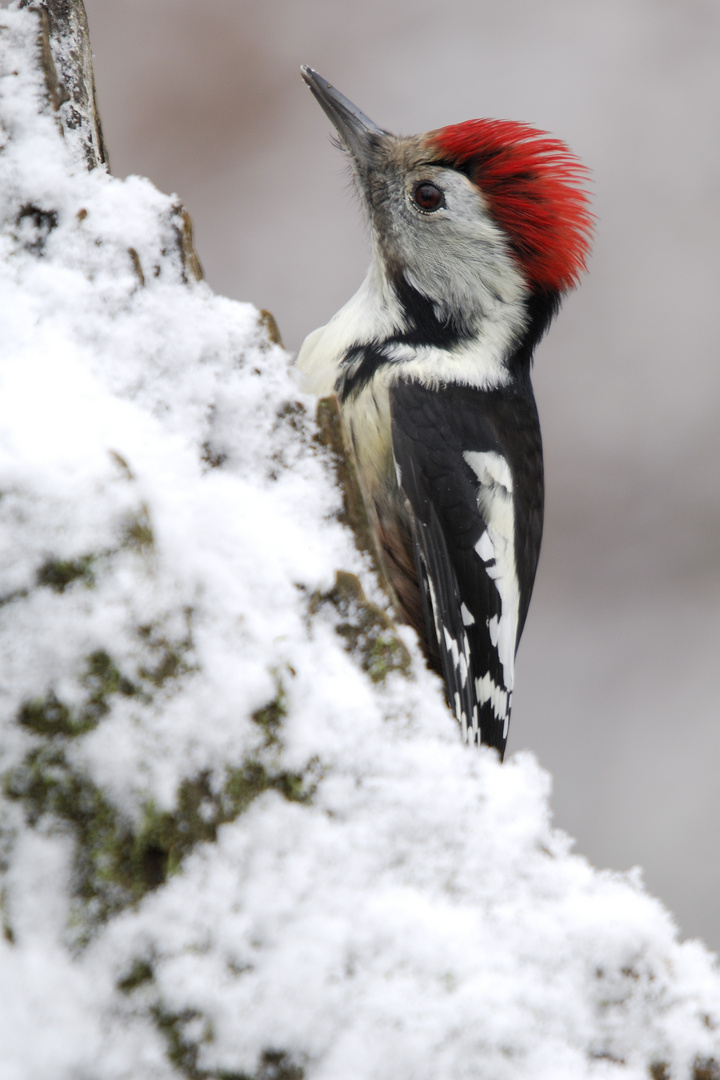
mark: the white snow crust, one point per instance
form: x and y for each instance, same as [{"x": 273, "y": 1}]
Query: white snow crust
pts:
[{"x": 415, "y": 915}]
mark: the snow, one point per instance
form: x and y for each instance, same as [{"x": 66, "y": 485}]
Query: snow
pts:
[{"x": 369, "y": 898}]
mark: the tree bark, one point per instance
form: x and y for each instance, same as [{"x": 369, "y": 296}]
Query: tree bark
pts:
[{"x": 66, "y": 59}]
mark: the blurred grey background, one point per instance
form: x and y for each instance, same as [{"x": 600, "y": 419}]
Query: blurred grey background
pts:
[{"x": 619, "y": 669}]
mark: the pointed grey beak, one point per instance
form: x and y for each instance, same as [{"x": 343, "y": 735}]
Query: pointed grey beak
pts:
[{"x": 359, "y": 134}]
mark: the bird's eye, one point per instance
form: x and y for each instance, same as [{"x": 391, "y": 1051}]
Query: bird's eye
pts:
[{"x": 428, "y": 197}]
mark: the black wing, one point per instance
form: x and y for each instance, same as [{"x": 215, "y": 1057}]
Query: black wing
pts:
[{"x": 470, "y": 464}]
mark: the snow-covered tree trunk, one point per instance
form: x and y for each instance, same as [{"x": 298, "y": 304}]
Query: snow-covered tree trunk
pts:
[{"x": 239, "y": 836}]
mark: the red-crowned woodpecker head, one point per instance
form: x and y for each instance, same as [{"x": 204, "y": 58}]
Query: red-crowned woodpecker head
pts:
[
  {"x": 534, "y": 187},
  {"x": 470, "y": 215}
]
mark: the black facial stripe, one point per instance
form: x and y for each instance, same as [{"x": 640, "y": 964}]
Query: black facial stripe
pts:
[
  {"x": 423, "y": 327},
  {"x": 358, "y": 368}
]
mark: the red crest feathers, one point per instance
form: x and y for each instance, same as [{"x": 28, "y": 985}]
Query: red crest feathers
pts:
[{"x": 534, "y": 188}]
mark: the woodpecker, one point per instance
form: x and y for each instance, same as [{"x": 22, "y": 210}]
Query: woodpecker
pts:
[{"x": 477, "y": 230}]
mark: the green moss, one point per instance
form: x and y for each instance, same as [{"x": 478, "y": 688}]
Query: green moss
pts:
[
  {"x": 245, "y": 784},
  {"x": 185, "y": 1033},
  {"x": 7, "y": 931},
  {"x": 101, "y": 680},
  {"x": 49, "y": 787},
  {"x": 48, "y": 716},
  {"x": 183, "y": 1051},
  {"x": 169, "y": 658},
  {"x": 57, "y": 574},
  {"x": 170, "y": 665},
  {"x": 271, "y": 716},
  {"x": 367, "y": 632},
  {"x": 115, "y": 864},
  {"x": 118, "y": 861},
  {"x": 165, "y": 837},
  {"x": 138, "y": 531},
  {"x": 140, "y": 974},
  {"x": 274, "y": 1065}
]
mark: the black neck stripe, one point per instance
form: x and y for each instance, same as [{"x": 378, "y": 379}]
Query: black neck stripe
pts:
[{"x": 362, "y": 361}]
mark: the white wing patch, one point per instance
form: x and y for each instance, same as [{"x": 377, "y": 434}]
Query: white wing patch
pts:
[
  {"x": 491, "y": 469},
  {"x": 496, "y": 548}
]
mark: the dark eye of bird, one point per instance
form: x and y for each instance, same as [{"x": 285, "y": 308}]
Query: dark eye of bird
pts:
[{"x": 428, "y": 196}]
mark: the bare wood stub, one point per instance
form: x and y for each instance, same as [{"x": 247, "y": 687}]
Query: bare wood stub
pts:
[{"x": 66, "y": 59}]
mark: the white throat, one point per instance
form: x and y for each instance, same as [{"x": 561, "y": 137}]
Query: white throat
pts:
[{"x": 374, "y": 316}]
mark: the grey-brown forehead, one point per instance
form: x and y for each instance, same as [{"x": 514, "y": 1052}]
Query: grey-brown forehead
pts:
[{"x": 406, "y": 152}]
